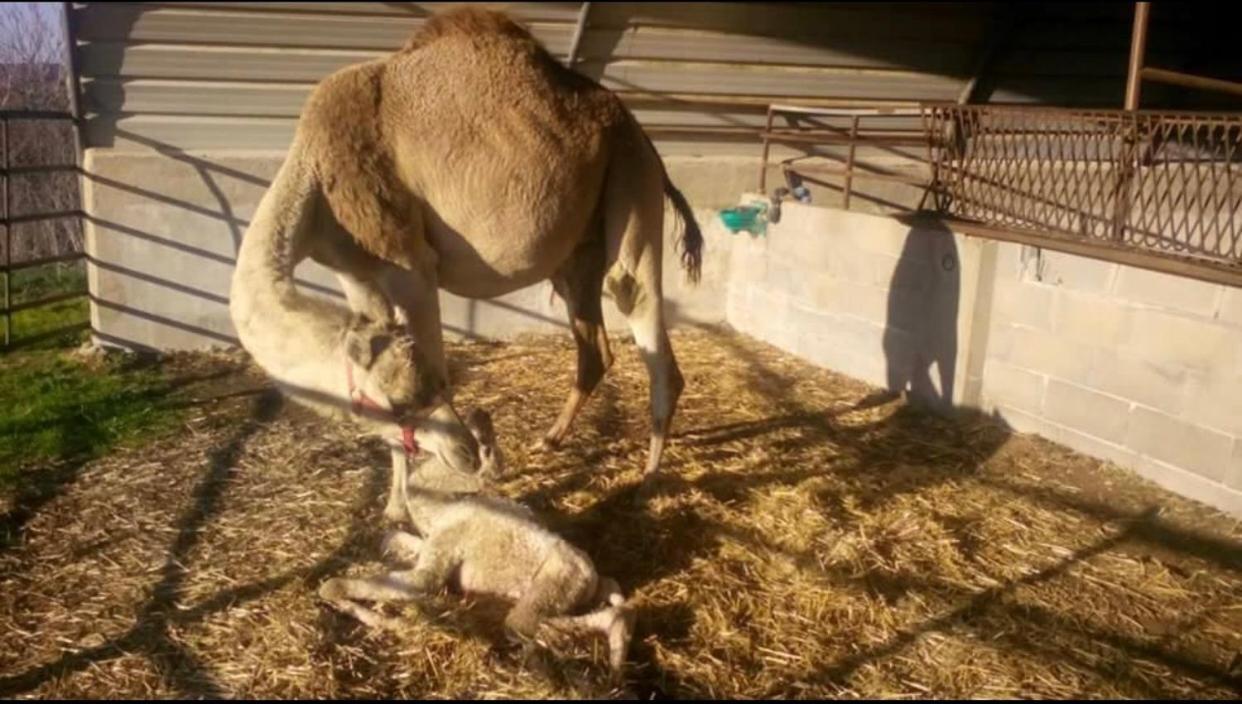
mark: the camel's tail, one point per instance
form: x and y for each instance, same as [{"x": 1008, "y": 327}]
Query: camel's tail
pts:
[{"x": 691, "y": 236}]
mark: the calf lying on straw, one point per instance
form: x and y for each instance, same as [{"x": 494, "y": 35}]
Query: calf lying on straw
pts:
[{"x": 489, "y": 545}]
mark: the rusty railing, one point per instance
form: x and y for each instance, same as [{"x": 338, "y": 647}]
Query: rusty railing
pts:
[
  {"x": 1146, "y": 184},
  {"x": 812, "y": 127},
  {"x": 8, "y": 220}
]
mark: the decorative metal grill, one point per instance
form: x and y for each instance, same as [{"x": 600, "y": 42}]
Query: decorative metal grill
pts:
[{"x": 1152, "y": 181}]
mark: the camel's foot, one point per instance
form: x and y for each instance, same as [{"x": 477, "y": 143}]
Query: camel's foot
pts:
[
  {"x": 547, "y": 443},
  {"x": 647, "y": 489},
  {"x": 620, "y": 633}
]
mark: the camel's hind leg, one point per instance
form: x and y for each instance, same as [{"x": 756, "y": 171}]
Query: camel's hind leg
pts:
[
  {"x": 432, "y": 570},
  {"x": 634, "y": 228},
  {"x": 615, "y": 621},
  {"x": 580, "y": 285}
]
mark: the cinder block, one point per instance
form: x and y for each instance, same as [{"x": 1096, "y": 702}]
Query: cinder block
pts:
[
  {"x": 1093, "y": 446},
  {"x": 1235, "y": 466},
  {"x": 1024, "y": 304},
  {"x": 880, "y": 270},
  {"x": 802, "y": 235},
  {"x": 1215, "y": 401},
  {"x": 1231, "y": 307},
  {"x": 1184, "y": 445},
  {"x": 1166, "y": 291},
  {"x": 861, "y": 301},
  {"x": 1009, "y": 263},
  {"x": 1095, "y": 320},
  {"x": 1172, "y": 338},
  {"x": 1086, "y": 411},
  {"x": 1040, "y": 352},
  {"x": 748, "y": 261},
  {"x": 1022, "y": 422},
  {"x": 1078, "y": 273},
  {"x": 772, "y": 311},
  {"x": 1011, "y": 386},
  {"x": 1154, "y": 384},
  {"x": 1190, "y": 485}
]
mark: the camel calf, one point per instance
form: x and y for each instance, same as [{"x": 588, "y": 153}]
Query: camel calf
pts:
[{"x": 489, "y": 545}]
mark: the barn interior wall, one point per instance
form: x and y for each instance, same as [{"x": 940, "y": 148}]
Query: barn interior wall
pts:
[
  {"x": 163, "y": 229},
  {"x": 1131, "y": 366}
]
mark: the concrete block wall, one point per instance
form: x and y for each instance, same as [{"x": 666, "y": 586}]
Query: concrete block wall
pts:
[
  {"x": 1127, "y": 365},
  {"x": 1137, "y": 367},
  {"x": 163, "y": 229},
  {"x": 876, "y": 298}
]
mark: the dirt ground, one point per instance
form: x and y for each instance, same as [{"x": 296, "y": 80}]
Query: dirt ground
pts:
[{"x": 810, "y": 539}]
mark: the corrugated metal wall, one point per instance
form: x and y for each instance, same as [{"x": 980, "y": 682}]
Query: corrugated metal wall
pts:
[{"x": 234, "y": 75}]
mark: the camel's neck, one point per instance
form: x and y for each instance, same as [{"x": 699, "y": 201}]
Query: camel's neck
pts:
[
  {"x": 296, "y": 339},
  {"x": 425, "y": 505}
]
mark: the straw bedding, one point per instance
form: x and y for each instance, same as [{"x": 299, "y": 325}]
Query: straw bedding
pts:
[{"x": 810, "y": 539}]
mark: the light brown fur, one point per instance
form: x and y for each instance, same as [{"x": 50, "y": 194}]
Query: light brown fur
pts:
[
  {"x": 489, "y": 545},
  {"x": 472, "y": 161}
]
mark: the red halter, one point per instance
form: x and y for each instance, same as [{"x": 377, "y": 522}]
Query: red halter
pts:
[{"x": 359, "y": 400}]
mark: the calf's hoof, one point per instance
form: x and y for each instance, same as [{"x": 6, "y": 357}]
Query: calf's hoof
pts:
[
  {"x": 546, "y": 444},
  {"x": 394, "y": 513},
  {"x": 619, "y": 636}
]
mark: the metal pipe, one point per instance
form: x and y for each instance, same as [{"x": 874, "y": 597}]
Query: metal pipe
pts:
[
  {"x": 8, "y": 236},
  {"x": 1138, "y": 47},
  {"x": 71, "y": 61},
  {"x": 849, "y": 163},
  {"x": 1186, "y": 80},
  {"x": 767, "y": 146},
  {"x": 583, "y": 12}
]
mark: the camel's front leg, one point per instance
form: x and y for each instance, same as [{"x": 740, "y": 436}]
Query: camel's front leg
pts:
[
  {"x": 430, "y": 573},
  {"x": 395, "y": 510}
]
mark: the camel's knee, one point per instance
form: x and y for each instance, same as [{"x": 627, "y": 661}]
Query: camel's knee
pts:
[
  {"x": 402, "y": 545},
  {"x": 523, "y": 621}
]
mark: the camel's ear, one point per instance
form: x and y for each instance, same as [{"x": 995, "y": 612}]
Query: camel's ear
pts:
[
  {"x": 480, "y": 423},
  {"x": 358, "y": 348}
]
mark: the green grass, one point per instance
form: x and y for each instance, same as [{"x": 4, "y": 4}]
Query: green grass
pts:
[
  {"x": 37, "y": 327},
  {"x": 55, "y": 407}
]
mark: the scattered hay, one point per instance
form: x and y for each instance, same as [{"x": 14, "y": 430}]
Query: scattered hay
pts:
[{"x": 810, "y": 540}]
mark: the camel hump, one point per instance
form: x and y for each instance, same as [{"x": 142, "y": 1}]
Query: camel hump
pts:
[{"x": 469, "y": 21}]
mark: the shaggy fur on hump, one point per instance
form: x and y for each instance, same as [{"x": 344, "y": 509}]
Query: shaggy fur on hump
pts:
[{"x": 469, "y": 21}]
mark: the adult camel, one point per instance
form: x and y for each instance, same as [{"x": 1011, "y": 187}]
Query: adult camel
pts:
[{"x": 470, "y": 160}]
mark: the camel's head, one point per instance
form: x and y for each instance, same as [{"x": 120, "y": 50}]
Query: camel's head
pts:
[
  {"x": 395, "y": 379},
  {"x": 437, "y": 476}
]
